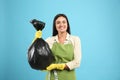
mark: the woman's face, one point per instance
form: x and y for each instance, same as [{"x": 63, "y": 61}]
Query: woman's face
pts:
[{"x": 61, "y": 24}]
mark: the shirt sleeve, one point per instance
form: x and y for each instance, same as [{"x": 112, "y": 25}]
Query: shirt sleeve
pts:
[{"x": 77, "y": 54}]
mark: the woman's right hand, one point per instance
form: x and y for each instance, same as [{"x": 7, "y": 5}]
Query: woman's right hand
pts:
[{"x": 38, "y": 34}]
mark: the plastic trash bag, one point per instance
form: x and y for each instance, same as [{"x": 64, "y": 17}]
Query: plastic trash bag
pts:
[{"x": 39, "y": 54}]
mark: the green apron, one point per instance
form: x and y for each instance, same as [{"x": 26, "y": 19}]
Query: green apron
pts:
[{"x": 63, "y": 53}]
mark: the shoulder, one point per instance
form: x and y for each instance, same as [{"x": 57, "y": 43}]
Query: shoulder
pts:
[
  {"x": 74, "y": 38},
  {"x": 50, "y": 39}
]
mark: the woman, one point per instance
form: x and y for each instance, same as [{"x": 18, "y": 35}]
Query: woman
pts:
[{"x": 66, "y": 49}]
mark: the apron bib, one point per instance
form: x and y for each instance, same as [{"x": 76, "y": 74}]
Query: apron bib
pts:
[{"x": 63, "y": 53}]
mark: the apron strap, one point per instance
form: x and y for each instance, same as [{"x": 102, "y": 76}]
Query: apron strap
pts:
[
  {"x": 55, "y": 75},
  {"x": 49, "y": 75}
]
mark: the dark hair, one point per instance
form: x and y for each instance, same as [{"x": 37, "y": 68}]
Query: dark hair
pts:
[{"x": 55, "y": 32}]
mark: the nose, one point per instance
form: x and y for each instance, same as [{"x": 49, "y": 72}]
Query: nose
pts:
[{"x": 61, "y": 24}]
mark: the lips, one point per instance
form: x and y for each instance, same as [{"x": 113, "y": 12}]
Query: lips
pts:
[{"x": 61, "y": 27}]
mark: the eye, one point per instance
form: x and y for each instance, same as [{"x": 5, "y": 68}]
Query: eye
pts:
[
  {"x": 64, "y": 22},
  {"x": 57, "y": 22}
]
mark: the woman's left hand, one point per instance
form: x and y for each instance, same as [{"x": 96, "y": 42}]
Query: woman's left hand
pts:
[{"x": 56, "y": 66}]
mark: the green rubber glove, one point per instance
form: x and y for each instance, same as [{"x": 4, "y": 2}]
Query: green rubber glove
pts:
[
  {"x": 56, "y": 66},
  {"x": 38, "y": 34}
]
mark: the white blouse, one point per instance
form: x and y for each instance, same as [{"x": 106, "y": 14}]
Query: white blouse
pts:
[{"x": 77, "y": 49}]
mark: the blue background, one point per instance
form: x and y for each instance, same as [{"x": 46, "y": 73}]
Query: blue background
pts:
[{"x": 96, "y": 22}]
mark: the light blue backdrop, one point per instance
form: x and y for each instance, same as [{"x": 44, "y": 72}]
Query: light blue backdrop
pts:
[{"x": 96, "y": 22}]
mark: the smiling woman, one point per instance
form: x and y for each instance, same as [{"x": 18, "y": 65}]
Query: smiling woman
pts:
[{"x": 66, "y": 49}]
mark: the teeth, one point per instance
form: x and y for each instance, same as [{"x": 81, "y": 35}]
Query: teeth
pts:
[{"x": 61, "y": 27}]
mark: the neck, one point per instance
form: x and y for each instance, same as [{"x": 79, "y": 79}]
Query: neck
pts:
[{"x": 62, "y": 35}]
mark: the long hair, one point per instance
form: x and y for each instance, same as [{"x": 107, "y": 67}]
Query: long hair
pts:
[{"x": 55, "y": 32}]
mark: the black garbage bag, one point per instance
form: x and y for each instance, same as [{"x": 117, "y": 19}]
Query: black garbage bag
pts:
[{"x": 39, "y": 54}]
